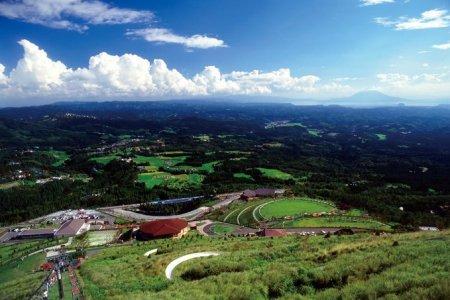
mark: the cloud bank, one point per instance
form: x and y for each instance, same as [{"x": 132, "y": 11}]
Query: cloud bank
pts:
[
  {"x": 131, "y": 76},
  {"x": 37, "y": 77}
]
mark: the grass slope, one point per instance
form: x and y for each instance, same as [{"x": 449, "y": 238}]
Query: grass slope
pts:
[
  {"x": 362, "y": 266},
  {"x": 275, "y": 174}
]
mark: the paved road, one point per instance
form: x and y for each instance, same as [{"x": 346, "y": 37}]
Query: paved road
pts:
[
  {"x": 121, "y": 211},
  {"x": 179, "y": 260}
]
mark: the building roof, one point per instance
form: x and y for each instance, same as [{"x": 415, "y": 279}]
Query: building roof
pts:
[
  {"x": 264, "y": 192},
  {"x": 272, "y": 232},
  {"x": 163, "y": 227},
  {"x": 249, "y": 193},
  {"x": 33, "y": 232},
  {"x": 70, "y": 227}
]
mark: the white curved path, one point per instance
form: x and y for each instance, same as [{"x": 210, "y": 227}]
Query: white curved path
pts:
[{"x": 184, "y": 258}]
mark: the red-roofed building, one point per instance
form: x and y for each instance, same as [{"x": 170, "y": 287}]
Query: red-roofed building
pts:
[{"x": 174, "y": 228}]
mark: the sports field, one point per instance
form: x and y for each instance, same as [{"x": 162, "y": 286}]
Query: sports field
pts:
[
  {"x": 97, "y": 238},
  {"x": 292, "y": 206}
]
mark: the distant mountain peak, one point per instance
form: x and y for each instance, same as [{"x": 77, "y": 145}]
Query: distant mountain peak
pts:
[{"x": 368, "y": 98}]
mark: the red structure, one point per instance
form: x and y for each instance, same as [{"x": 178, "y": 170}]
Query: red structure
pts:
[{"x": 163, "y": 228}]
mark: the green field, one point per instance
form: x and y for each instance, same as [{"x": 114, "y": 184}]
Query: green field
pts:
[
  {"x": 221, "y": 229},
  {"x": 159, "y": 161},
  {"x": 59, "y": 157},
  {"x": 203, "y": 138},
  {"x": 181, "y": 181},
  {"x": 53, "y": 293},
  {"x": 274, "y": 174},
  {"x": 104, "y": 159},
  {"x": 242, "y": 176},
  {"x": 21, "y": 277},
  {"x": 314, "y": 132},
  {"x": 337, "y": 221},
  {"x": 381, "y": 136},
  {"x": 11, "y": 184},
  {"x": 293, "y": 206},
  {"x": 361, "y": 266}
]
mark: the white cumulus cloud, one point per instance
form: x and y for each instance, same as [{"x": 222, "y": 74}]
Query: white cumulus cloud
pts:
[
  {"x": 162, "y": 35},
  {"x": 435, "y": 18},
  {"x": 374, "y": 2},
  {"x": 445, "y": 46},
  {"x": 108, "y": 76},
  {"x": 70, "y": 14}
]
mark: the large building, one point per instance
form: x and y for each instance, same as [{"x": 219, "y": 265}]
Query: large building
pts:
[
  {"x": 261, "y": 193},
  {"x": 72, "y": 228},
  {"x": 174, "y": 228},
  {"x": 44, "y": 233}
]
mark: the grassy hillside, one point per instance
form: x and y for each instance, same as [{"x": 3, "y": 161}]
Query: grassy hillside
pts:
[{"x": 363, "y": 266}]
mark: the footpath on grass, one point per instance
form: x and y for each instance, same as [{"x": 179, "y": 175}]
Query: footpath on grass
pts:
[{"x": 184, "y": 258}]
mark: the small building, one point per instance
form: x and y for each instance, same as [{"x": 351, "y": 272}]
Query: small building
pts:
[
  {"x": 44, "y": 233},
  {"x": 271, "y": 232},
  {"x": 72, "y": 228},
  {"x": 428, "y": 228},
  {"x": 174, "y": 228}
]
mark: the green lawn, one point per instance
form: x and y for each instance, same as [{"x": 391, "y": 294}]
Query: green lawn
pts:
[
  {"x": 21, "y": 277},
  {"x": 203, "y": 138},
  {"x": 242, "y": 176},
  {"x": 152, "y": 179},
  {"x": 314, "y": 132},
  {"x": 53, "y": 293},
  {"x": 208, "y": 167},
  {"x": 275, "y": 174},
  {"x": 220, "y": 229},
  {"x": 11, "y": 184},
  {"x": 159, "y": 161},
  {"x": 361, "y": 266},
  {"x": 181, "y": 181},
  {"x": 59, "y": 157},
  {"x": 381, "y": 136},
  {"x": 104, "y": 159},
  {"x": 293, "y": 206},
  {"x": 337, "y": 221}
]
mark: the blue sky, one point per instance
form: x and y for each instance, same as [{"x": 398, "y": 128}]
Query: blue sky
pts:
[{"x": 331, "y": 48}]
